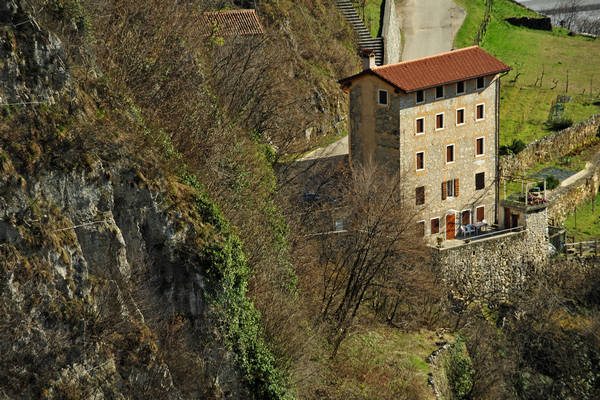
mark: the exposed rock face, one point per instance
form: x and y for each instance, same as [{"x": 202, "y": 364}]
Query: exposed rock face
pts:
[
  {"x": 32, "y": 67},
  {"x": 87, "y": 258}
]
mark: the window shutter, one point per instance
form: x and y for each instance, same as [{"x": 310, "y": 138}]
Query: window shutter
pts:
[
  {"x": 444, "y": 191},
  {"x": 456, "y": 188}
]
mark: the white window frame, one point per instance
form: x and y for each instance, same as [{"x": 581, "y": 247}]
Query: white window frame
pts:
[
  {"x": 443, "y": 121},
  {"x": 453, "y": 154},
  {"x": 387, "y": 97},
  {"x": 482, "y": 147},
  {"x": 439, "y": 225},
  {"x": 443, "y": 92},
  {"x": 470, "y": 216},
  {"x": 416, "y": 164},
  {"x": 416, "y": 132},
  {"x": 420, "y": 102},
  {"x": 476, "y": 212},
  {"x": 464, "y": 87},
  {"x": 477, "y": 105},
  {"x": 448, "y": 186},
  {"x": 464, "y": 116}
]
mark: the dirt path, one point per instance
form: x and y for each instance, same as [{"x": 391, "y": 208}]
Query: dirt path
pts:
[
  {"x": 337, "y": 148},
  {"x": 428, "y": 26}
]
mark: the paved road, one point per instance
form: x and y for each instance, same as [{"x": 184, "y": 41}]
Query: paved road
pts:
[
  {"x": 428, "y": 26},
  {"x": 338, "y": 148}
]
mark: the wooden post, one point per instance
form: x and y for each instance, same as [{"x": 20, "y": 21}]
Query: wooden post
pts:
[
  {"x": 575, "y": 218},
  {"x": 596, "y": 247},
  {"x": 581, "y": 249}
]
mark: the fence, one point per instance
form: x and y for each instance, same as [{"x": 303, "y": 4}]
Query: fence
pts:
[{"x": 589, "y": 248}]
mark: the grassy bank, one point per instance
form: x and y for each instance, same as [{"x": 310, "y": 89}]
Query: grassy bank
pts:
[
  {"x": 584, "y": 224},
  {"x": 542, "y": 61},
  {"x": 370, "y": 12}
]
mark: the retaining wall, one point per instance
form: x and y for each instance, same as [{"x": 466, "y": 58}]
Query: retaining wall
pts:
[
  {"x": 392, "y": 39},
  {"x": 551, "y": 147},
  {"x": 563, "y": 200}
]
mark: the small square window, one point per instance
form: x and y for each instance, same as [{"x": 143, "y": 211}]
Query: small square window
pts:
[
  {"x": 420, "y": 160},
  {"x": 420, "y": 195},
  {"x": 435, "y": 225},
  {"x": 382, "y": 97},
  {"x": 460, "y": 116},
  {"x": 460, "y": 87},
  {"x": 479, "y": 180},
  {"x": 439, "y": 92},
  {"x": 480, "y": 112},
  {"x": 439, "y": 121},
  {"x": 480, "y": 82},
  {"x": 420, "y": 128},
  {"x": 420, "y": 96},
  {"x": 449, "y": 154},
  {"x": 479, "y": 147}
]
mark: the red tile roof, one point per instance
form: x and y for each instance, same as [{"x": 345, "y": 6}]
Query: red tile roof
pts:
[
  {"x": 453, "y": 66},
  {"x": 229, "y": 23}
]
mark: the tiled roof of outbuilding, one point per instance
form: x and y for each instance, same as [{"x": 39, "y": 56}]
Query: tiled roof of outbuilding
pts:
[
  {"x": 453, "y": 66},
  {"x": 233, "y": 22}
]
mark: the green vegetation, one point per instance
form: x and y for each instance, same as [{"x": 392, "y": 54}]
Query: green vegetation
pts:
[
  {"x": 541, "y": 61},
  {"x": 584, "y": 223},
  {"x": 370, "y": 12},
  {"x": 382, "y": 363},
  {"x": 460, "y": 370}
]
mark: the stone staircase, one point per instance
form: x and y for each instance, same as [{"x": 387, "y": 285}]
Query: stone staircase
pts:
[{"x": 365, "y": 40}]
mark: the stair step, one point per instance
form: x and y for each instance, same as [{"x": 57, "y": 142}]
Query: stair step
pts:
[{"x": 365, "y": 40}]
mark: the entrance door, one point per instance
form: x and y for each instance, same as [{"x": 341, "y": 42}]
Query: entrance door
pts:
[
  {"x": 514, "y": 222},
  {"x": 507, "y": 218},
  {"x": 450, "y": 229}
]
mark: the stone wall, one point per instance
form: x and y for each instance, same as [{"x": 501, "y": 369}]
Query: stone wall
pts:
[
  {"x": 493, "y": 268},
  {"x": 563, "y": 200},
  {"x": 392, "y": 39},
  {"x": 552, "y": 146}
]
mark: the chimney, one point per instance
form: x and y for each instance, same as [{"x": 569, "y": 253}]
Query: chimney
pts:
[{"x": 368, "y": 58}]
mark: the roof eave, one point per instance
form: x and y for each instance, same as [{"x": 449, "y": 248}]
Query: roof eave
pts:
[
  {"x": 458, "y": 80},
  {"x": 370, "y": 72}
]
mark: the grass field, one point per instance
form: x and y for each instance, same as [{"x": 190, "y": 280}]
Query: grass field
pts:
[
  {"x": 525, "y": 104},
  {"x": 384, "y": 363},
  {"x": 371, "y": 16},
  {"x": 585, "y": 224}
]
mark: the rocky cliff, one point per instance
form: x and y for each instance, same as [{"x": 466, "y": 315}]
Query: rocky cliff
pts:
[{"x": 118, "y": 278}]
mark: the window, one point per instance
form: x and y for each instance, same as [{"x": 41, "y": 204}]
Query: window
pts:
[
  {"x": 435, "y": 225},
  {"x": 460, "y": 87},
  {"x": 382, "y": 97},
  {"x": 480, "y": 213},
  {"x": 439, "y": 121},
  {"x": 449, "y": 189},
  {"x": 420, "y": 228},
  {"x": 339, "y": 225},
  {"x": 449, "y": 154},
  {"x": 420, "y": 195},
  {"x": 420, "y": 96},
  {"x": 420, "y": 160},
  {"x": 460, "y": 116},
  {"x": 465, "y": 217},
  {"x": 480, "y": 83},
  {"x": 439, "y": 92},
  {"x": 479, "y": 147},
  {"x": 420, "y": 128},
  {"x": 479, "y": 180},
  {"x": 480, "y": 112}
]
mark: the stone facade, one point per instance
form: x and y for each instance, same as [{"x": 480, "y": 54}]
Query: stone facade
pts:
[
  {"x": 492, "y": 268},
  {"x": 552, "y": 146},
  {"x": 386, "y": 135}
]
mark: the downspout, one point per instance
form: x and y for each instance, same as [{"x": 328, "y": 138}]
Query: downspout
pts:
[{"x": 497, "y": 127}]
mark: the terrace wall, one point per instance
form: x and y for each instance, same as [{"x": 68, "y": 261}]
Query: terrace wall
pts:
[
  {"x": 551, "y": 147},
  {"x": 494, "y": 268}
]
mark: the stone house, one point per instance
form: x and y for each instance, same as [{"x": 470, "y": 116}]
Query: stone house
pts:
[{"x": 433, "y": 124}]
